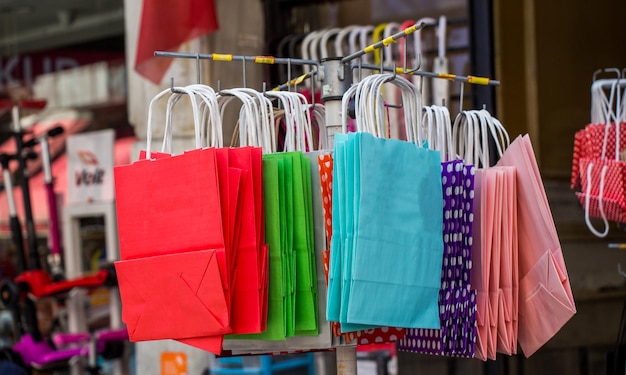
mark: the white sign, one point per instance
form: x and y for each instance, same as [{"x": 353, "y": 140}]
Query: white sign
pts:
[{"x": 90, "y": 166}]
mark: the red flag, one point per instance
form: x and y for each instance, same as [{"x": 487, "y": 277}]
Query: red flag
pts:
[{"x": 165, "y": 25}]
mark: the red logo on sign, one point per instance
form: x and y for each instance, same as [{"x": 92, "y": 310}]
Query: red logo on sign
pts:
[{"x": 87, "y": 157}]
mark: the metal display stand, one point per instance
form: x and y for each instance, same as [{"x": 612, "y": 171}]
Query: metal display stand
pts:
[
  {"x": 72, "y": 214},
  {"x": 335, "y": 75}
]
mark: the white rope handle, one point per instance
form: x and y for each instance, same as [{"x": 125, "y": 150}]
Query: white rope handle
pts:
[
  {"x": 609, "y": 117},
  {"x": 459, "y": 133},
  {"x": 265, "y": 120},
  {"x": 339, "y": 39},
  {"x": 444, "y": 132},
  {"x": 307, "y": 126},
  {"x": 306, "y": 53},
  {"x": 153, "y": 101},
  {"x": 466, "y": 137},
  {"x": 168, "y": 129},
  {"x": 289, "y": 142},
  {"x": 333, "y": 32},
  {"x": 319, "y": 116},
  {"x": 428, "y": 120},
  {"x": 390, "y": 29},
  {"x": 441, "y": 132},
  {"x": 474, "y": 140},
  {"x": 600, "y": 205},
  {"x": 247, "y": 133},
  {"x": 345, "y": 103},
  {"x": 212, "y": 120}
]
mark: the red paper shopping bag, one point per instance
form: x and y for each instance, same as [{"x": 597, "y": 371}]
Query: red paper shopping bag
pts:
[
  {"x": 247, "y": 306},
  {"x": 158, "y": 200},
  {"x": 249, "y": 262},
  {"x": 184, "y": 289},
  {"x": 169, "y": 218},
  {"x": 257, "y": 180},
  {"x": 237, "y": 178}
]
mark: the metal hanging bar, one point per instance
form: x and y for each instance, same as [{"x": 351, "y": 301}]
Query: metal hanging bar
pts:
[
  {"x": 451, "y": 77},
  {"x": 383, "y": 43},
  {"x": 269, "y": 60},
  {"x": 296, "y": 81}
]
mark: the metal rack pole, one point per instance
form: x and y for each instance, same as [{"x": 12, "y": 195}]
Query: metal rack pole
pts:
[{"x": 333, "y": 89}]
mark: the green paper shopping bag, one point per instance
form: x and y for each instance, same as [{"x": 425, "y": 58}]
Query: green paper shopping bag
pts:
[
  {"x": 276, "y": 328},
  {"x": 285, "y": 174},
  {"x": 305, "y": 288},
  {"x": 325, "y": 338},
  {"x": 309, "y": 325}
]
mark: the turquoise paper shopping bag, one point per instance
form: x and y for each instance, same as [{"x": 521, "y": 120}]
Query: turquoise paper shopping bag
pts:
[
  {"x": 398, "y": 240},
  {"x": 350, "y": 193},
  {"x": 333, "y": 306}
]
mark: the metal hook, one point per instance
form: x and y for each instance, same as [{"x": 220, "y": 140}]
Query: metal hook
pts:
[
  {"x": 288, "y": 74},
  {"x": 244, "y": 73},
  {"x": 606, "y": 70},
  {"x": 419, "y": 65},
  {"x": 394, "y": 75},
  {"x": 219, "y": 87},
  {"x": 404, "y": 54},
  {"x": 390, "y": 79},
  {"x": 624, "y": 73},
  {"x": 197, "y": 68},
  {"x": 461, "y": 97},
  {"x": 172, "y": 89},
  {"x": 313, "y": 84}
]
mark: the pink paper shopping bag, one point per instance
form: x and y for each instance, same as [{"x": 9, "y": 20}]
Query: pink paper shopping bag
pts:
[{"x": 546, "y": 302}]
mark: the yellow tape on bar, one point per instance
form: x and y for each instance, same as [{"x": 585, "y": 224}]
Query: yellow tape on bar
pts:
[
  {"x": 222, "y": 57},
  {"x": 410, "y": 30},
  {"x": 369, "y": 49},
  {"x": 478, "y": 80},
  {"x": 300, "y": 79},
  {"x": 447, "y": 76},
  {"x": 388, "y": 41},
  {"x": 264, "y": 59}
]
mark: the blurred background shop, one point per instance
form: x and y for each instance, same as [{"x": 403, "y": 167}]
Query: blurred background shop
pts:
[{"x": 91, "y": 63}]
